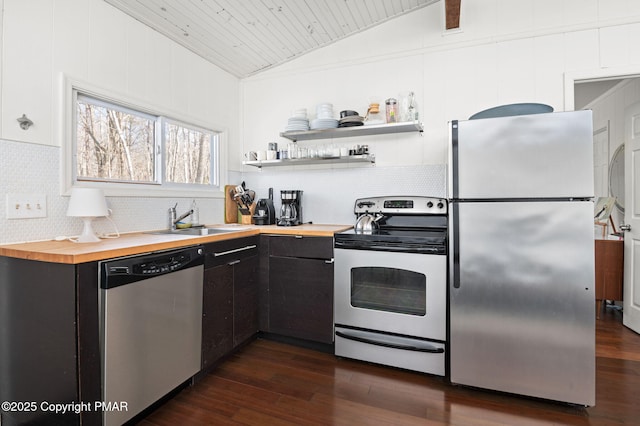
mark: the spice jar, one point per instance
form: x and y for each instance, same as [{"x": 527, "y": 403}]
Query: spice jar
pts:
[{"x": 392, "y": 110}]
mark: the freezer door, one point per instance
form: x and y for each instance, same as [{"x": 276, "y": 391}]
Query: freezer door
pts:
[
  {"x": 522, "y": 310},
  {"x": 527, "y": 156}
]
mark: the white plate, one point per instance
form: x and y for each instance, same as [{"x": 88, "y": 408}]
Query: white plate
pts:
[{"x": 296, "y": 129}]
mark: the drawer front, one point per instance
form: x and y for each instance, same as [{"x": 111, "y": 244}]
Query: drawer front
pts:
[
  {"x": 301, "y": 246},
  {"x": 225, "y": 252}
]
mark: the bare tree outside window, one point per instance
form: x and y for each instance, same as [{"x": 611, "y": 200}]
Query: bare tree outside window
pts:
[
  {"x": 115, "y": 143},
  {"x": 187, "y": 154}
]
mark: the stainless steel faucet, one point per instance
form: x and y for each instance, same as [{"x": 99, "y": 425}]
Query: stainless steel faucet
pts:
[{"x": 173, "y": 220}]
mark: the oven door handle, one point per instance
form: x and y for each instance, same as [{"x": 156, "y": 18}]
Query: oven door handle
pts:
[{"x": 407, "y": 347}]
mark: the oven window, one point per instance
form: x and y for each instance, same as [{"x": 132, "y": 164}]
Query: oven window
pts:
[{"x": 389, "y": 290}]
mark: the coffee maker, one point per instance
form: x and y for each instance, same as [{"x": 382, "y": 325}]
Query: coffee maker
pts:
[
  {"x": 265, "y": 213},
  {"x": 291, "y": 209}
]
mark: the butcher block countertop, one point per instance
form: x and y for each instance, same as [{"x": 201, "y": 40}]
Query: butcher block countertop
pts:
[{"x": 142, "y": 242}]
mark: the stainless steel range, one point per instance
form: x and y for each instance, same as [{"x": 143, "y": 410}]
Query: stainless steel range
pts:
[{"x": 391, "y": 283}]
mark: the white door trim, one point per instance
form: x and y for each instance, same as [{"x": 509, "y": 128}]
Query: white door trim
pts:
[{"x": 599, "y": 74}]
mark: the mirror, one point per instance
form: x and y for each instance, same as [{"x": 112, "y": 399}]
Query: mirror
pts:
[{"x": 616, "y": 177}]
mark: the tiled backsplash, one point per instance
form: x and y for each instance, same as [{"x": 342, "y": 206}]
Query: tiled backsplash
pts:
[
  {"x": 31, "y": 168},
  {"x": 328, "y": 196}
]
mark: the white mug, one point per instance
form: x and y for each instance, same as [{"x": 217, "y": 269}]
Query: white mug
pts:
[
  {"x": 250, "y": 156},
  {"x": 261, "y": 155},
  {"x": 271, "y": 155}
]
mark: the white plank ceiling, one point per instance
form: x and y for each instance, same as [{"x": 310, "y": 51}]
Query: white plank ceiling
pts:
[{"x": 245, "y": 37}]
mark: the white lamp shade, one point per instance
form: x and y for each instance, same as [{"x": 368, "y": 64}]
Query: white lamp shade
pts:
[{"x": 87, "y": 202}]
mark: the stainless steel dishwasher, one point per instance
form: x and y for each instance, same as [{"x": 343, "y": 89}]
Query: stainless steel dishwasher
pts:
[{"x": 151, "y": 328}]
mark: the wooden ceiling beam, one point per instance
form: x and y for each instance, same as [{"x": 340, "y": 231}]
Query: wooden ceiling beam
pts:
[{"x": 452, "y": 14}]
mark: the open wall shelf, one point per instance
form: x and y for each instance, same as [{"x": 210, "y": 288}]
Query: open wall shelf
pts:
[
  {"x": 345, "y": 132},
  {"x": 351, "y": 159}
]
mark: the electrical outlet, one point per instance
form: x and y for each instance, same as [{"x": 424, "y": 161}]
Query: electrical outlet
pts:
[{"x": 26, "y": 206}]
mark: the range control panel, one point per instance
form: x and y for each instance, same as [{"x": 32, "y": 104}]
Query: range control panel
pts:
[{"x": 412, "y": 205}]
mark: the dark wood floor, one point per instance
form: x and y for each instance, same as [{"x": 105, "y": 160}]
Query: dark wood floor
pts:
[{"x": 269, "y": 383}]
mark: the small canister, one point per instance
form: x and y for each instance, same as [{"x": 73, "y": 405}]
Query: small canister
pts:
[
  {"x": 392, "y": 110},
  {"x": 273, "y": 146}
]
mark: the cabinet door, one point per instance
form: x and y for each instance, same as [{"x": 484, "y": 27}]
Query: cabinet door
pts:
[
  {"x": 245, "y": 299},
  {"x": 301, "y": 298},
  {"x": 230, "y": 299},
  {"x": 38, "y": 355},
  {"x": 217, "y": 314},
  {"x": 609, "y": 269}
]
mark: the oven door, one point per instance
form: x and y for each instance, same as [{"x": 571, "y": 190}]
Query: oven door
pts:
[
  {"x": 402, "y": 293},
  {"x": 390, "y": 308}
]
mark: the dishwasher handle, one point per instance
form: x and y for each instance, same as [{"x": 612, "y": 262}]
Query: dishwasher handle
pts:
[{"x": 118, "y": 272}]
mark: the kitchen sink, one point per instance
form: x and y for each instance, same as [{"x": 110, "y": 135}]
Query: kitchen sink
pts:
[{"x": 206, "y": 230}]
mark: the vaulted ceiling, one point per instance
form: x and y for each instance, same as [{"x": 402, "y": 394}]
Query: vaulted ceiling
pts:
[{"x": 244, "y": 37}]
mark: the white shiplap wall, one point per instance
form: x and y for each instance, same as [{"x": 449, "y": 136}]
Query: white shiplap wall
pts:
[
  {"x": 507, "y": 51},
  {"x": 91, "y": 41}
]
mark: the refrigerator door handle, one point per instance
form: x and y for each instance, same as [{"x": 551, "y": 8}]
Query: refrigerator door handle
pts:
[
  {"x": 455, "y": 242},
  {"x": 454, "y": 159}
]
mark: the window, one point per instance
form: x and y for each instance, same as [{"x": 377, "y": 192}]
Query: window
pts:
[
  {"x": 121, "y": 144},
  {"x": 188, "y": 154}
]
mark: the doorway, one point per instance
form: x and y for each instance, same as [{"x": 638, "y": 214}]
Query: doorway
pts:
[{"x": 609, "y": 94}]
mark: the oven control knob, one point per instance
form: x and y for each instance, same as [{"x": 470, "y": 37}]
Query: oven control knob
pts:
[
  {"x": 430, "y": 204},
  {"x": 440, "y": 205}
]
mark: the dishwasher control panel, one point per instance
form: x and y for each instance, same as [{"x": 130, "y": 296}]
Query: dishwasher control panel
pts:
[
  {"x": 162, "y": 266},
  {"x": 117, "y": 272}
]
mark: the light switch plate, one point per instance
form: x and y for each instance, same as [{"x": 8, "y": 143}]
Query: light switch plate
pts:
[{"x": 26, "y": 206}]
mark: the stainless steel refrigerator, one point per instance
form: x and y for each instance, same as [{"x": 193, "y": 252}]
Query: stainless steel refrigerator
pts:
[{"x": 522, "y": 308}]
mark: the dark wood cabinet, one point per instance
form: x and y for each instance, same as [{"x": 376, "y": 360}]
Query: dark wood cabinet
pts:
[
  {"x": 245, "y": 300},
  {"x": 49, "y": 328},
  {"x": 609, "y": 270},
  {"x": 300, "y": 287},
  {"x": 230, "y": 297},
  {"x": 217, "y": 313}
]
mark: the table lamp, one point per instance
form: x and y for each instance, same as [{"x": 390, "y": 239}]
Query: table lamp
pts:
[{"x": 87, "y": 203}]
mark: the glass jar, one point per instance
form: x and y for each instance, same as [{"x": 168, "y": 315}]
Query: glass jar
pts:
[
  {"x": 392, "y": 110},
  {"x": 293, "y": 151},
  {"x": 408, "y": 107},
  {"x": 373, "y": 115}
]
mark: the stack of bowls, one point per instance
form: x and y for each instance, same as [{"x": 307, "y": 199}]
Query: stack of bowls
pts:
[
  {"x": 324, "y": 120},
  {"x": 298, "y": 121}
]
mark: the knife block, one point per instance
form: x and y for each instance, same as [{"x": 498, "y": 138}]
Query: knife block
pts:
[{"x": 246, "y": 219}]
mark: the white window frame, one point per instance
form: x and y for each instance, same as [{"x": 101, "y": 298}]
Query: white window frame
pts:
[
  {"x": 68, "y": 118},
  {"x": 158, "y": 138},
  {"x": 215, "y": 147}
]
